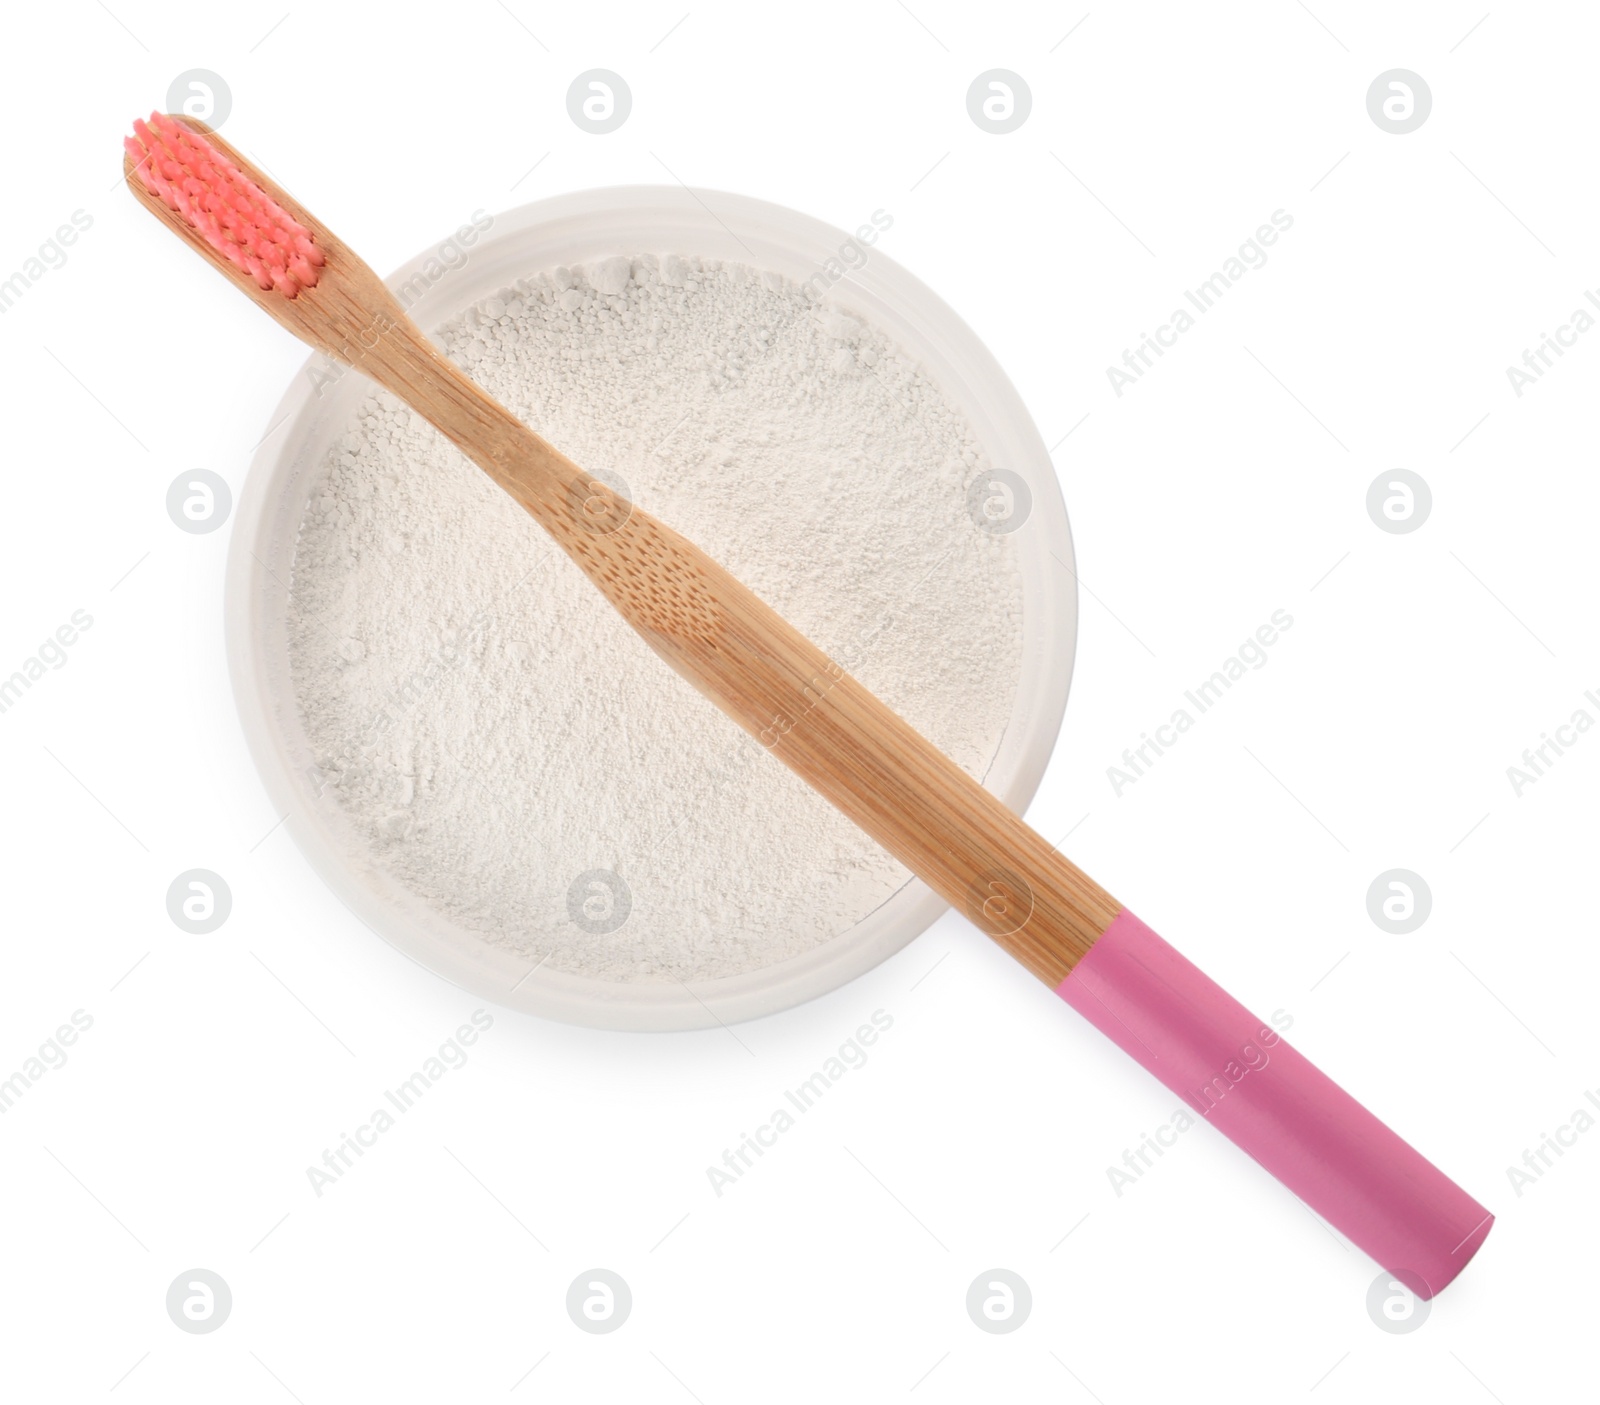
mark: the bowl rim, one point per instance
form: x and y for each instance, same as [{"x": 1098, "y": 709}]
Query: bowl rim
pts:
[{"x": 882, "y": 290}]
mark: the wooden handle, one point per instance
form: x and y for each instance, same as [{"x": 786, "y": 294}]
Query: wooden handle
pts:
[
  {"x": 800, "y": 704},
  {"x": 775, "y": 683}
]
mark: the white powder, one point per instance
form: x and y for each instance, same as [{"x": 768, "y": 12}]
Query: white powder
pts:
[{"x": 498, "y": 733}]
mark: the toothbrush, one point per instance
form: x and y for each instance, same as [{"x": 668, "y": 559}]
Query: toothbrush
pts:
[{"x": 1228, "y": 1066}]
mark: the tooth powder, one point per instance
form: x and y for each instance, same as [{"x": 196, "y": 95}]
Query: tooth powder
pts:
[{"x": 511, "y": 751}]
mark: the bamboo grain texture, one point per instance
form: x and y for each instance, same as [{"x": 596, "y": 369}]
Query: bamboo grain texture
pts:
[{"x": 782, "y": 689}]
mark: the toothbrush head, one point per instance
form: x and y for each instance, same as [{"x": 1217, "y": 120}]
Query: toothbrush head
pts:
[{"x": 241, "y": 221}]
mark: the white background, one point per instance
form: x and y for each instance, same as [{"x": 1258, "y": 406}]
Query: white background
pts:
[{"x": 1230, "y": 482}]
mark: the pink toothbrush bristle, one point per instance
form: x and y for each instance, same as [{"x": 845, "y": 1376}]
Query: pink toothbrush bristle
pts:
[{"x": 226, "y": 208}]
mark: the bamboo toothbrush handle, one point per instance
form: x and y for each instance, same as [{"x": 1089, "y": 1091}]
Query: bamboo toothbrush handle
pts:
[
  {"x": 1228, "y": 1066},
  {"x": 1231, "y": 1068}
]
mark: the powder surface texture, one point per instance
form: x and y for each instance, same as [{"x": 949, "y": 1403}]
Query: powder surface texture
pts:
[{"x": 511, "y": 751}]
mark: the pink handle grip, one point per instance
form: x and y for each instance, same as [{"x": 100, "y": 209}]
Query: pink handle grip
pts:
[{"x": 1276, "y": 1105}]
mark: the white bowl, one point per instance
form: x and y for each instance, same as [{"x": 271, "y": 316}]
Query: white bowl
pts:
[{"x": 577, "y": 229}]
